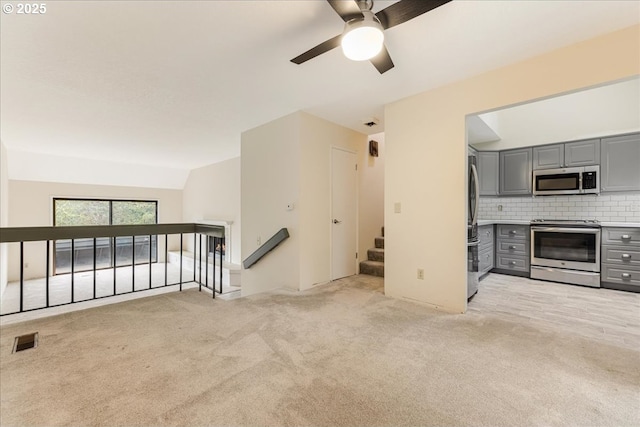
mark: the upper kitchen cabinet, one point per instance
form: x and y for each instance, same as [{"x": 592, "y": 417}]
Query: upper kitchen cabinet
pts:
[
  {"x": 582, "y": 153},
  {"x": 488, "y": 166},
  {"x": 548, "y": 156},
  {"x": 620, "y": 163},
  {"x": 570, "y": 154},
  {"x": 515, "y": 172}
]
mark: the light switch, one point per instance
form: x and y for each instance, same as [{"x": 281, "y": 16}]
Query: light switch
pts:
[{"x": 397, "y": 207}]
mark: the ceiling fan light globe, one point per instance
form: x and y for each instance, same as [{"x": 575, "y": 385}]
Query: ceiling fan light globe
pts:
[{"x": 362, "y": 43}]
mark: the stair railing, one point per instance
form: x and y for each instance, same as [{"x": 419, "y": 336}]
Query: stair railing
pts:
[
  {"x": 267, "y": 247},
  {"x": 49, "y": 235}
]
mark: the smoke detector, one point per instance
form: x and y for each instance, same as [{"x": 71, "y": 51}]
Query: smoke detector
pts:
[{"x": 370, "y": 121}]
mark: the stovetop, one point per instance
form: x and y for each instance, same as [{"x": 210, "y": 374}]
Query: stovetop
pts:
[{"x": 567, "y": 222}]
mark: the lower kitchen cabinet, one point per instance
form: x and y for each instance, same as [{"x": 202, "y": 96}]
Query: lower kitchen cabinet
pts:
[
  {"x": 512, "y": 250},
  {"x": 485, "y": 250},
  {"x": 620, "y": 259}
]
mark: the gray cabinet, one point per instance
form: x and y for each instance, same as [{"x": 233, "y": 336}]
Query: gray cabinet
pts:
[
  {"x": 512, "y": 249},
  {"x": 548, "y": 156},
  {"x": 620, "y": 163},
  {"x": 485, "y": 249},
  {"x": 488, "y": 166},
  {"x": 620, "y": 257},
  {"x": 515, "y": 172},
  {"x": 570, "y": 154},
  {"x": 582, "y": 153}
]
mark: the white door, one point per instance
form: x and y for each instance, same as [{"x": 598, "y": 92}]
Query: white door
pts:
[{"x": 343, "y": 213}]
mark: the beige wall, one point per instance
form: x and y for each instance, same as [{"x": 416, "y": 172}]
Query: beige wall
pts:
[
  {"x": 213, "y": 193},
  {"x": 31, "y": 205},
  {"x": 426, "y": 159},
  {"x": 371, "y": 195},
  {"x": 269, "y": 181},
  {"x": 288, "y": 161},
  {"x": 4, "y": 215},
  {"x": 317, "y": 138}
]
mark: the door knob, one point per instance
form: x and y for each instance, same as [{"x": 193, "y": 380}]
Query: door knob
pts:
[{"x": 335, "y": 221}]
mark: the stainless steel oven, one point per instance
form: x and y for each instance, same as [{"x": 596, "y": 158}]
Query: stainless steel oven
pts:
[{"x": 566, "y": 251}]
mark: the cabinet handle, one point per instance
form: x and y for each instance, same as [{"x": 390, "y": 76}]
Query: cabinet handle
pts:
[
  {"x": 626, "y": 275},
  {"x": 512, "y": 262},
  {"x": 626, "y": 256},
  {"x": 512, "y": 231},
  {"x": 512, "y": 247},
  {"x": 625, "y": 237},
  {"x": 488, "y": 233}
]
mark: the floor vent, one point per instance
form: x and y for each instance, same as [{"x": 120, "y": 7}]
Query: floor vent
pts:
[{"x": 25, "y": 342}]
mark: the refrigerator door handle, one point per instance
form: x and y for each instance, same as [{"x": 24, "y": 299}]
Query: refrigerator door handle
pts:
[{"x": 476, "y": 202}]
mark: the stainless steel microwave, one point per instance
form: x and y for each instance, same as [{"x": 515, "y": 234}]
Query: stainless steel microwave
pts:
[{"x": 579, "y": 180}]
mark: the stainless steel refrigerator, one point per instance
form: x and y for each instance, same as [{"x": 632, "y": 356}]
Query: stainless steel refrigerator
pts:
[{"x": 472, "y": 228}]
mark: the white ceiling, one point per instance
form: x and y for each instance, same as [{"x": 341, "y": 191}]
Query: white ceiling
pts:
[{"x": 174, "y": 83}]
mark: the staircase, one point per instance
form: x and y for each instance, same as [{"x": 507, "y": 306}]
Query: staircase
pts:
[{"x": 374, "y": 265}]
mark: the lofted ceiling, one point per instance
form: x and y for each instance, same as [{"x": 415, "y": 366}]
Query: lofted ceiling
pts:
[
  {"x": 175, "y": 83},
  {"x": 611, "y": 109}
]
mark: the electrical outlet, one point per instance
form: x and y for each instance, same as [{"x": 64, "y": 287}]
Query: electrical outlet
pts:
[
  {"x": 421, "y": 274},
  {"x": 397, "y": 207},
  {"x": 26, "y": 265},
  {"x": 500, "y": 208}
]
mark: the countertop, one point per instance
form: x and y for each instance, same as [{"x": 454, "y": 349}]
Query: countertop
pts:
[
  {"x": 482, "y": 222},
  {"x": 524, "y": 222}
]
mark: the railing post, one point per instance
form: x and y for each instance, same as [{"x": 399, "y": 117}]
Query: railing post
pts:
[
  {"x": 133, "y": 263},
  {"x": 166, "y": 259},
  {"x": 46, "y": 280},
  {"x": 195, "y": 241},
  {"x": 95, "y": 257},
  {"x": 150, "y": 257},
  {"x": 206, "y": 263},
  {"x": 199, "y": 258},
  {"x": 222, "y": 245},
  {"x": 21, "y": 276},
  {"x": 73, "y": 268},
  {"x": 115, "y": 263},
  {"x": 181, "y": 262},
  {"x": 213, "y": 268}
]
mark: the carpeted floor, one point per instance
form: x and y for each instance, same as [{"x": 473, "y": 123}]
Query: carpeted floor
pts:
[{"x": 341, "y": 354}]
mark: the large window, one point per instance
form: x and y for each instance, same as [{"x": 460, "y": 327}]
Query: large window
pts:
[{"x": 110, "y": 252}]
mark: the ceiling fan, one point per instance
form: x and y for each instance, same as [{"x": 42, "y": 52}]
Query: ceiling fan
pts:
[{"x": 363, "y": 38}]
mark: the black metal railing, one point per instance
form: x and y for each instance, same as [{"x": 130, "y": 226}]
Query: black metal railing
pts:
[
  {"x": 91, "y": 235},
  {"x": 267, "y": 247}
]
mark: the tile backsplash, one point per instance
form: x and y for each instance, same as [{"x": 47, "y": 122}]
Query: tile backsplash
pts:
[{"x": 624, "y": 207}]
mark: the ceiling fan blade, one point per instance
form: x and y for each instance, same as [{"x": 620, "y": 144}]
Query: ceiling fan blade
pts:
[
  {"x": 347, "y": 9},
  {"x": 405, "y": 10},
  {"x": 382, "y": 61},
  {"x": 318, "y": 50}
]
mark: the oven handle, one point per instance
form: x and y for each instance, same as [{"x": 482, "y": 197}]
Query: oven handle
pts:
[{"x": 567, "y": 230}]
